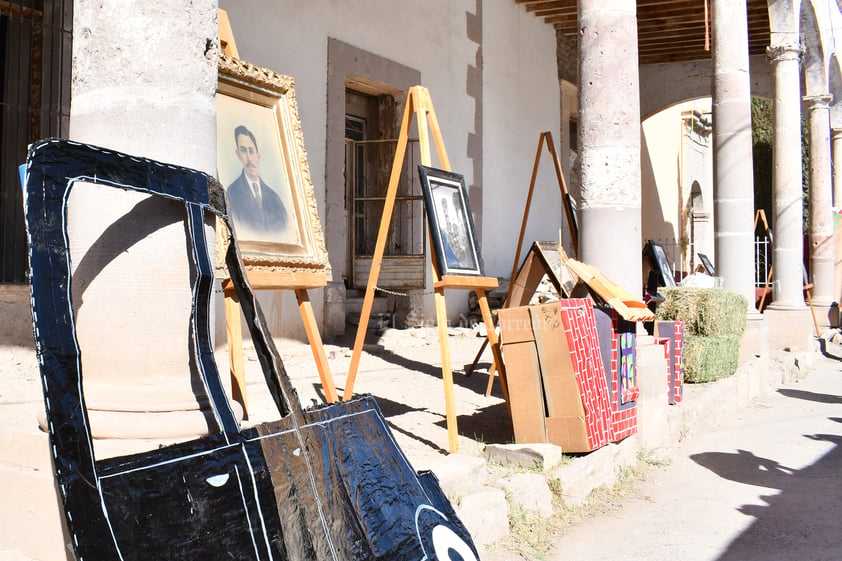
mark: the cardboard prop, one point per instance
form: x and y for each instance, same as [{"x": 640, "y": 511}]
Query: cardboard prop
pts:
[
  {"x": 618, "y": 348},
  {"x": 670, "y": 334},
  {"x": 324, "y": 484},
  {"x": 558, "y": 388}
]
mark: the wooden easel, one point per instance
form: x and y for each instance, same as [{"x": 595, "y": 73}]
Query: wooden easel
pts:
[
  {"x": 419, "y": 102},
  {"x": 226, "y": 35},
  {"x": 300, "y": 282},
  {"x": 544, "y": 137}
]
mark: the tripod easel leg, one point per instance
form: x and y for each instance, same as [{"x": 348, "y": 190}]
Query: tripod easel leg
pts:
[
  {"x": 470, "y": 369},
  {"x": 315, "y": 339},
  {"x": 447, "y": 373},
  {"x": 494, "y": 342}
]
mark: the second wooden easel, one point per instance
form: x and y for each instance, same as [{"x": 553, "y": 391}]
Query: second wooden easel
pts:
[
  {"x": 419, "y": 102},
  {"x": 545, "y": 138}
]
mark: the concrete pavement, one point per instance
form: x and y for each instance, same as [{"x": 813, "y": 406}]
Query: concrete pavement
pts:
[{"x": 765, "y": 484}]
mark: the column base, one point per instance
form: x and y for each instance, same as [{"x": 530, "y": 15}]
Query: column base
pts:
[
  {"x": 790, "y": 328},
  {"x": 827, "y": 313},
  {"x": 754, "y": 342}
]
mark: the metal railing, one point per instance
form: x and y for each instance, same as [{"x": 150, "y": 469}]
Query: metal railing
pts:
[{"x": 684, "y": 259}]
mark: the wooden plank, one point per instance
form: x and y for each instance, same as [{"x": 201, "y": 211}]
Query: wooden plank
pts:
[
  {"x": 396, "y": 272},
  {"x": 261, "y": 279},
  {"x": 466, "y": 283}
]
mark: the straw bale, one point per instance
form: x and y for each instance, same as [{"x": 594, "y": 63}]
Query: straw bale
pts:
[
  {"x": 708, "y": 312},
  {"x": 710, "y": 358}
]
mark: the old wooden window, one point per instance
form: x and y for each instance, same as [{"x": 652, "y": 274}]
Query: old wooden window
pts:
[{"x": 370, "y": 131}]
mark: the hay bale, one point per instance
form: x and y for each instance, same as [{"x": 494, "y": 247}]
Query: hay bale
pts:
[
  {"x": 710, "y": 358},
  {"x": 709, "y": 312}
]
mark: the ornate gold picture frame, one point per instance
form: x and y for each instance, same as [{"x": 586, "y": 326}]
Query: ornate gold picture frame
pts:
[{"x": 262, "y": 164}]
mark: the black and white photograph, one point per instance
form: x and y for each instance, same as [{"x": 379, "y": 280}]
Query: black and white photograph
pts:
[{"x": 451, "y": 223}]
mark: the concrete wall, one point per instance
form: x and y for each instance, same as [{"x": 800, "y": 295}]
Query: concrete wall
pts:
[
  {"x": 662, "y": 85},
  {"x": 519, "y": 97},
  {"x": 521, "y": 101}
]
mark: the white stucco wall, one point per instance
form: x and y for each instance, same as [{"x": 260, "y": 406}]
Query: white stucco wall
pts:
[
  {"x": 520, "y": 96},
  {"x": 667, "y": 177},
  {"x": 521, "y": 100}
]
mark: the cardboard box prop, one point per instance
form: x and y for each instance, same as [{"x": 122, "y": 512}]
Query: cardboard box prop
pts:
[
  {"x": 324, "y": 484},
  {"x": 618, "y": 347},
  {"x": 558, "y": 391},
  {"x": 671, "y": 335}
]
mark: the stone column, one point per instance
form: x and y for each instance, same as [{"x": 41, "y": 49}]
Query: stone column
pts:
[
  {"x": 787, "y": 253},
  {"x": 733, "y": 176},
  {"x": 609, "y": 141},
  {"x": 144, "y": 79},
  {"x": 790, "y": 322},
  {"x": 821, "y": 199}
]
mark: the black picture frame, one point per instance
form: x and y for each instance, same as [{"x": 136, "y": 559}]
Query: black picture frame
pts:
[
  {"x": 709, "y": 268},
  {"x": 451, "y": 222},
  {"x": 660, "y": 261}
]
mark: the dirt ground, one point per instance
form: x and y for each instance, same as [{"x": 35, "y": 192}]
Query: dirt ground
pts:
[{"x": 402, "y": 370}]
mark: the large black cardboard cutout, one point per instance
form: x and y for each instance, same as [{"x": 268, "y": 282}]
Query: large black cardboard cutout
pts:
[{"x": 324, "y": 484}]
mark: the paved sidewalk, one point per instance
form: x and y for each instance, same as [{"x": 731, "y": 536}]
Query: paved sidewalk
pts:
[{"x": 767, "y": 485}]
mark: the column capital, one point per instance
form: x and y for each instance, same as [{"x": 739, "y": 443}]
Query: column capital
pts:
[
  {"x": 836, "y": 133},
  {"x": 781, "y": 53},
  {"x": 820, "y": 101}
]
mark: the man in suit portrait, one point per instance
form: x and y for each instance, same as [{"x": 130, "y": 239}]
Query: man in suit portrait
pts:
[{"x": 255, "y": 208}]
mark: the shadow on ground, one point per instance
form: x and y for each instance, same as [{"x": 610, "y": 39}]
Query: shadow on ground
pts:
[{"x": 802, "y": 518}]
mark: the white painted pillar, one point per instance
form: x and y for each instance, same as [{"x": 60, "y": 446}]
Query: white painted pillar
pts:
[
  {"x": 837, "y": 167},
  {"x": 609, "y": 141},
  {"x": 144, "y": 78},
  {"x": 821, "y": 198},
  {"x": 837, "y": 203},
  {"x": 733, "y": 182},
  {"x": 787, "y": 253}
]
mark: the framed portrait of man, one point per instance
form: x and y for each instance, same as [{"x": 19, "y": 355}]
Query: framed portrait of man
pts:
[
  {"x": 263, "y": 167},
  {"x": 451, "y": 223}
]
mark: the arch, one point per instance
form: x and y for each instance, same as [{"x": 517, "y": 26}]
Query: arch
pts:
[
  {"x": 665, "y": 85},
  {"x": 813, "y": 58},
  {"x": 697, "y": 201}
]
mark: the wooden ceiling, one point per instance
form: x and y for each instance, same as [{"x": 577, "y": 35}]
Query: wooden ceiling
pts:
[{"x": 667, "y": 30}]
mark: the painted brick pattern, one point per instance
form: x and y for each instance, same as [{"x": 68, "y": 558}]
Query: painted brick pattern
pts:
[
  {"x": 673, "y": 332},
  {"x": 580, "y": 328},
  {"x": 624, "y": 389},
  {"x": 666, "y": 343},
  {"x": 678, "y": 362}
]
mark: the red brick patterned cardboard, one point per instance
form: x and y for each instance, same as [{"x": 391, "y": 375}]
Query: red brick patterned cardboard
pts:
[{"x": 580, "y": 328}]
